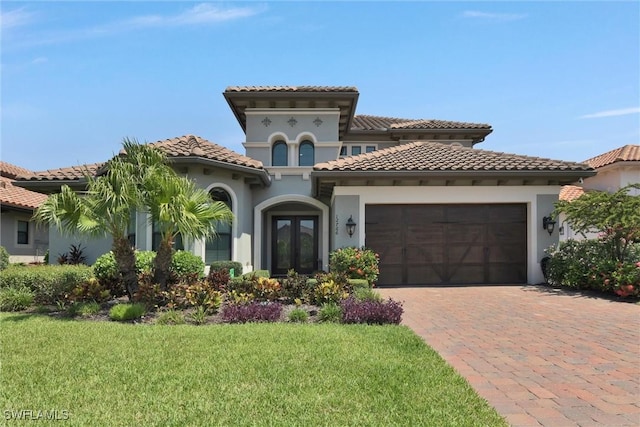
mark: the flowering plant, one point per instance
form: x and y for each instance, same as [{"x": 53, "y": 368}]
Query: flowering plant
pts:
[
  {"x": 356, "y": 263},
  {"x": 627, "y": 279}
]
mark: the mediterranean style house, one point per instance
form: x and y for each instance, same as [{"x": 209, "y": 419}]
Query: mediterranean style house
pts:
[
  {"x": 18, "y": 234},
  {"x": 317, "y": 177}
]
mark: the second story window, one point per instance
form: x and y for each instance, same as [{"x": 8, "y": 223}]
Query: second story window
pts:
[
  {"x": 279, "y": 155},
  {"x": 307, "y": 156}
]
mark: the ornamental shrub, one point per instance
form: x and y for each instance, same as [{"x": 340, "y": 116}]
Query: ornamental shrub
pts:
[
  {"x": 185, "y": 263},
  {"x": 89, "y": 290},
  {"x": 106, "y": 270},
  {"x": 330, "y": 312},
  {"x": 592, "y": 264},
  {"x": 356, "y": 263},
  {"x": 252, "y": 312},
  {"x": 196, "y": 294},
  {"x": 123, "y": 312},
  {"x": 297, "y": 286},
  {"x": 4, "y": 258},
  {"x": 298, "y": 315},
  {"x": 372, "y": 312}
]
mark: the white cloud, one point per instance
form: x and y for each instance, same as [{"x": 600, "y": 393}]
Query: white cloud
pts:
[
  {"x": 475, "y": 14},
  {"x": 15, "y": 18},
  {"x": 612, "y": 113},
  {"x": 200, "y": 14}
]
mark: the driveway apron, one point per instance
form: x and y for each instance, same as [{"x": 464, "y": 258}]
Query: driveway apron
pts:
[{"x": 540, "y": 356}]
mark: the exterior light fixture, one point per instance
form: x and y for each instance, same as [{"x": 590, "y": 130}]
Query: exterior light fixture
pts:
[
  {"x": 351, "y": 226},
  {"x": 548, "y": 224}
]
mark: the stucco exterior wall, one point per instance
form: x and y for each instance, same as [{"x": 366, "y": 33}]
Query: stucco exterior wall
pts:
[
  {"x": 342, "y": 208},
  {"x": 38, "y": 238}
]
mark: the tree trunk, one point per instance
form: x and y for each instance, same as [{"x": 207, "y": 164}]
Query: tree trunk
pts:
[
  {"x": 125, "y": 257},
  {"x": 162, "y": 263}
]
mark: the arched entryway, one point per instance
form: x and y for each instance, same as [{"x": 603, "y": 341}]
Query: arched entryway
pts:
[{"x": 291, "y": 233}]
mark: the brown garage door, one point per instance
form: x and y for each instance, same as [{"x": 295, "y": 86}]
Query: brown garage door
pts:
[{"x": 448, "y": 244}]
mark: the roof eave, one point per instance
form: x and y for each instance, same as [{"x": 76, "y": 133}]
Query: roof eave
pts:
[{"x": 261, "y": 173}]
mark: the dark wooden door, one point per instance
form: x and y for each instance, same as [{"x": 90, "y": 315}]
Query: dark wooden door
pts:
[
  {"x": 294, "y": 244},
  {"x": 448, "y": 244}
]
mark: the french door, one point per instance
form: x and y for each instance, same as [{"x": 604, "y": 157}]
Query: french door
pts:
[{"x": 294, "y": 244}]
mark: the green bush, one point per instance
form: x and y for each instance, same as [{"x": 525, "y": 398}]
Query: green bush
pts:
[
  {"x": 185, "y": 264},
  {"x": 4, "y": 258},
  {"x": 49, "y": 283},
  {"x": 257, "y": 273},
  {"x": 123, "y": 312},
  {"x": 83, "y": 309},
  {"x": 106, "y": 270},
  {"x": 298, "y": 315},
  {"x": 591, "y": 264},
  {"x": 228, "y": 265},
  {"x": 330, "y": 312},
  {"x": 171, "y": 317},
  {"x": 15, "y": 299},
  {"x": 366, "y": 294},
  {"x": 355, "y": 263},
  {"x": 359, "y": 283}
]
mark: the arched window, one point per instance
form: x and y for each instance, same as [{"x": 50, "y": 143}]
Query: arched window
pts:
[
  {"x": 307, "y": 155},
  {"x": 219, "y": 248},
  {"x": 279, "y": 155}
]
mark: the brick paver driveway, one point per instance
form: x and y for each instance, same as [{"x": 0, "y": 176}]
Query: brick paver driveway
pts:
[{"x": 540, "y": 356}]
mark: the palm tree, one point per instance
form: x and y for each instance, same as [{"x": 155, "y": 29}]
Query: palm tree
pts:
[
  {"x": 103, "y": 210},
  {"x": 177, "y": 206}
]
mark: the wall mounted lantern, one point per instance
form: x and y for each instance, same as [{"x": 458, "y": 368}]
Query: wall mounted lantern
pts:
[
  {"x": 548, "y": 224},
  {"x": 351, "y": 226}
]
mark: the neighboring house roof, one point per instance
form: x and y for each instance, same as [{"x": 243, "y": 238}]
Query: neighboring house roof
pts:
[
  {"x": 188, "y": 148},
  {"x": 17, "y": 197},
  {"x": 11, "y": 171},
  {"x": 434, "y": 156},
  {"x": 628, "y": 153},
  {"x": 570, "y": 192},
  {"x": 366, "y": 122}
]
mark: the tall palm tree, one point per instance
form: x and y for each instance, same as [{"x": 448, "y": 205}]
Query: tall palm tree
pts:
[{"x": 177, "y": 206}]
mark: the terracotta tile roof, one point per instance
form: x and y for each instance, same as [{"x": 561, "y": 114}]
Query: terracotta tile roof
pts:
[
  {"x": 11, "y": 171},
  {"x": 291, "y": 89},
  {"x": 570, "y": 192},
  {"x": 628, "y": 153},
  {"x": 184, "y": 146},
  {"x": 19, "y": 197},
  {"x": 365, "y": 122},
  {"x": 191, "y": 145},
  {"x": 72, "y": 173},
  {"x": 433, "y": 156}
]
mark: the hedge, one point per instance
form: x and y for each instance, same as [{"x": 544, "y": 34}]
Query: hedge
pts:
[
  {"x": 49, "y": 283},
  {"x": 228, "y": 265}
]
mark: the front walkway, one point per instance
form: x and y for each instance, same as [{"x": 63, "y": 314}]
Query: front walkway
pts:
[{"x": 540, "y": 356}]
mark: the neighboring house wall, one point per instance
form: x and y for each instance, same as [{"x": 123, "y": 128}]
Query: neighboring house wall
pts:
[
  {"x": 38, "y": 238},
  {"x": 613, "y": 177}
]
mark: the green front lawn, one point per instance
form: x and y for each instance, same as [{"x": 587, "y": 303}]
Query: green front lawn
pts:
[{"x": 112, "y": 374}]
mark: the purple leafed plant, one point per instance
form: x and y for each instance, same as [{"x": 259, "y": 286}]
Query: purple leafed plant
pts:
[
  {"x": 252, "y": 312},
  {"x": 372, "y": 312}
]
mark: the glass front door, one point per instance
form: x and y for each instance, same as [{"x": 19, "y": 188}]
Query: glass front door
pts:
[{"x": 295, "y": 244}]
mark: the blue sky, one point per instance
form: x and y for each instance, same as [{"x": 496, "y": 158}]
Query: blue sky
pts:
[{"x": 554, "y": 79}]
